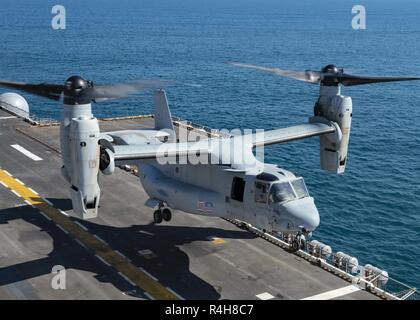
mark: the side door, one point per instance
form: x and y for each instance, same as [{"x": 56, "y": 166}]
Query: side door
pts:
[
  {"x": 262, "y": 212},
  {"x": 237, "y": 195}
]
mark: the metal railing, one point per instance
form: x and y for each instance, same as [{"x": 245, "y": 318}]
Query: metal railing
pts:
[
  {"x": 35, "y": 120},
  {"x": 189, "y": 125},
  {"x": 14, "y": 110},
  {"x": 392, "y": 290},
  {"x": 26, "y": 116}
]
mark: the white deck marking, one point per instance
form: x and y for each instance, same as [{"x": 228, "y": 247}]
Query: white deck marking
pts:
[
  {"x": 81, "y": 225},
  {"x": 154, "y": 278},
  {"x": 19, "y": 181},
  {"x": 7, "y": 172},
  {"x": 16, "y": 194},
  {"x": 123, "y": 256},
  {"x": 81, "y": 243},
  {"x": 3, "y": 184},
  {"x": 100, "y": 239},
  {"x": 145, "y": 252},
  {"x": 48, "y": 201},
  {"x": 62, "y": 229},
  {"x": 45, "y": 216},
  {"x": 146, "y": 232},
  {"x": 149, "y": 296},
  {"x": 28, "y": 203},
  {"x": 26, "y": 152},
  {"x": 127, "y": 279},
  {"x": 176, "y": 294},
  {"x": 33, "y": 191},
  {"x": 9, "y": 117},
  {"x": 264, "y": 296},
  {"x": 64, "y": 213},
  {"x": 334, "y": 293},
  {"x": 103, "y": 261}
]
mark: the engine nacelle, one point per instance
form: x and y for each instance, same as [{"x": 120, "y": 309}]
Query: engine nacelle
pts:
[
  {"x": 107, "y": 162},
  {"x": 334, "y": 147},
  {"x": 84, "y": 162}
]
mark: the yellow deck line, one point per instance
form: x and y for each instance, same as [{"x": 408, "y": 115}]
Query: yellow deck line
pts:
[
  {"x": 121, "y": 264},
  {"x": 218, "y": 241}
]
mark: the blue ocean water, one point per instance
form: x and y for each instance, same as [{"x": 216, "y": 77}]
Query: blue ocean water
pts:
[{"x": 371, "y": 212}]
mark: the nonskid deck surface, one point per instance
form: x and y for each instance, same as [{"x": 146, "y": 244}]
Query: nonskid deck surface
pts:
[{"x": 122, "y": 254}]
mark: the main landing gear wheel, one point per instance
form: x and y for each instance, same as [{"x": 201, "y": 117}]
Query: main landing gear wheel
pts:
[
  {"x": 157, "y": 216},
  {"x": 299, "y": 242},
  {"x": 295, "y": 246},
  {"x": 167, "y": 214}
]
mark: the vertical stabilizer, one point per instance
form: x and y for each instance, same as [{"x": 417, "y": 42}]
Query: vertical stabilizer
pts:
[{"x": 163, "y": 119}]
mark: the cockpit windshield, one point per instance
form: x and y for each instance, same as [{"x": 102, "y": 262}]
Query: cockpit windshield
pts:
[
  {"x": 300, "y": 188},
  {"x": 281, "y": 192},
  {"x": 287, "y": 191}
]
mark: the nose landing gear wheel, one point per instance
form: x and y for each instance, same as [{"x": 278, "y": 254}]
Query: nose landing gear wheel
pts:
[
  {"x": 167, "y": 214},
  {"x": 157, "y": 216}
]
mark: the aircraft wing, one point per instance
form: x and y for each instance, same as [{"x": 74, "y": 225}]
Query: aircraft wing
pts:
[
  {"x": 288, "y": 134},
  {"x": 153, "y": 151},
  {"x": 203, "y": 147}
]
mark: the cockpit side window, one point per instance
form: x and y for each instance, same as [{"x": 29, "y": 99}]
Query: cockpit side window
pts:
[
  {"x": 261, "y": 191},
  {"x": 281, "y": 192},
  {"x": 300, "y": 188}
]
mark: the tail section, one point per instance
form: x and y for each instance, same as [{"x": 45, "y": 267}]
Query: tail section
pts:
[{"x": 163, "y": 118}]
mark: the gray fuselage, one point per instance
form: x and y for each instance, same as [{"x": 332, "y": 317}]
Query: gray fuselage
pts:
[{"x": 274, "y": 199}]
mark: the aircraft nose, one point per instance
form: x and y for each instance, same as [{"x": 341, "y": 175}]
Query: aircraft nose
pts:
[{"x": 303, "y": 213}]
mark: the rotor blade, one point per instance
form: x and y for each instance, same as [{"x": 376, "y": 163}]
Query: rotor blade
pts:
[
  {"x": 103, "y": 93},
  {"x": 50, "y": 91},
  {"x": 349, "y": 80},
  {"x": 307, "y": 76}
]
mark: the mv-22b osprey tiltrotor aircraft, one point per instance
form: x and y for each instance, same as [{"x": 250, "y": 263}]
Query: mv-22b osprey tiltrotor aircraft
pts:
[{"x": 234, "y": 184}]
